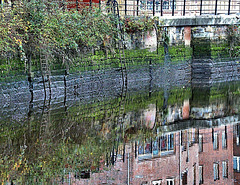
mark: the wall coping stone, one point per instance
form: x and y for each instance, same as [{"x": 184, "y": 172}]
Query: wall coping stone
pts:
[{"x": 203, "y": 20}]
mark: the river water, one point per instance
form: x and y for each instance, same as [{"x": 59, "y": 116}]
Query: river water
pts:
[{"x": 161, "y": 127}]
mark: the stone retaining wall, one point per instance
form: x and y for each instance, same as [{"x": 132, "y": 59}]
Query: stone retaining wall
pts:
[{"x": 87, "y": 87}]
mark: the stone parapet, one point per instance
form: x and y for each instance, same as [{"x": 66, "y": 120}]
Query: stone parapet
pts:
[{"x": 203, "y": 20}]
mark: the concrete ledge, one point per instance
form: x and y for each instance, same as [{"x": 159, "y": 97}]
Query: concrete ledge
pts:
[{"x": 203, "y": 20}]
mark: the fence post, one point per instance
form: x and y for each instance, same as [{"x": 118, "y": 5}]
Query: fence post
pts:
[
  {"x": 153, "y": 7},
  {"x": 64, "y": 5},
  {"x": 12, "y": 5},
  {"x": 216, "y": 7},
  {"x": 77, "y": 5},
  {"x": 201, "y": 7},
  {"x": 100, "y": 5},
  {"x": 161, "y": 7},
  {"x": 229, "y": 4},
  {"x": 90, "y": 4},
  {"x": 173, "y": 2},
  {"x": 184, "y": 7},
  {"x": 137, "y": 6},
  {"x": 125, "y": 7}
]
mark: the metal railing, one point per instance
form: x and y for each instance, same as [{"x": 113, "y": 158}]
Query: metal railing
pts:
[
  {"x": 156, "y": 7},
  {"x": 178, "y": 7}
]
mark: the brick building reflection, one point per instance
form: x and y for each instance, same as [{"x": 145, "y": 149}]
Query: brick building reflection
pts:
[
  {"x": 208, "y": 155},
  {"x": 192, "y": 156},
  {"x": 202, "y": 150}
]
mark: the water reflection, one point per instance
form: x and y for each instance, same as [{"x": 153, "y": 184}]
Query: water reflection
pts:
[
  {"x": 176, "y": 136},
  {"x": 190, "y": 156}
]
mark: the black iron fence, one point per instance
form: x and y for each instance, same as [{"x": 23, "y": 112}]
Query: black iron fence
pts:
[
  {"x": 155, "y": 7},
  {"x": 178, "y": 7}
]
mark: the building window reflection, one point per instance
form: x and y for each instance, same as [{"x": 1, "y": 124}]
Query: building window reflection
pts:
[
  {"x": 216, "y": 171},
  {"x": 167, "y": 142},
  {"x": 148, "y": 147},
  {"x": 200, "y": 143},
  {"x": 225, "y": 169},
  {"x": 145, "y": 147},
  {"x": 236, "y": 161},
  {"x": 194, "y": 174},
  {"x": 144, "y": 183},
  {"x": 155, "y": 147},
  {"x": 237, "y": 134},
  {"x": 157, "y": 182},
  {"x": 159, "y": 146},
  {"x": 184, "y": 178},
  {"x": 140, "y": 148},
  {"x": 224, "y": 140},
  {"x": 200, "y": 174},
  {"x": 170, "y": 181},
  {"x": 215, "y": 141}
]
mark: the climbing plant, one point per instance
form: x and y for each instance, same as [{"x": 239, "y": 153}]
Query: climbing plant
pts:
[
  {"x": 139, "y": 24},
  {"x": 26, "y": 27},
  {"x": 233, "y": 35}
]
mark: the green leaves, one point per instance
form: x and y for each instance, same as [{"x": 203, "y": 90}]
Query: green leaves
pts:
[
  {"x": 34, "y": 23},
  {"x": 139, "y": 24}
]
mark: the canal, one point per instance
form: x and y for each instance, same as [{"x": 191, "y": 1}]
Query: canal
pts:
[
  {"x": 91, "y": 98},
  {"x": 163, "y": 126}
]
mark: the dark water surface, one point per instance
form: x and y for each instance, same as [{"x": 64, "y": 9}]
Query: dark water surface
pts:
[{"x": 161, "y": 129}]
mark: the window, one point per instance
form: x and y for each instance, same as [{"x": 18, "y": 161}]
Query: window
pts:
[
  {"x": 157, "y": 5},
  {"x": 165, "y": 4},
  {"x": 170, "y": 181},
  {"x": 156, "y": 182},
  {"x": 143, "y": 5},
  {"x": 200, "y": 143},
  {"x": 200, "y": 174},
  {"x": 236, "y": 162},
  {"x": 171, "y": 4},
  {"x": 225, "y": 169},
  {"x": 149, "y": 5},
  {"x": 216, "y": 171},
  {"x": 215, "y": 141}
]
